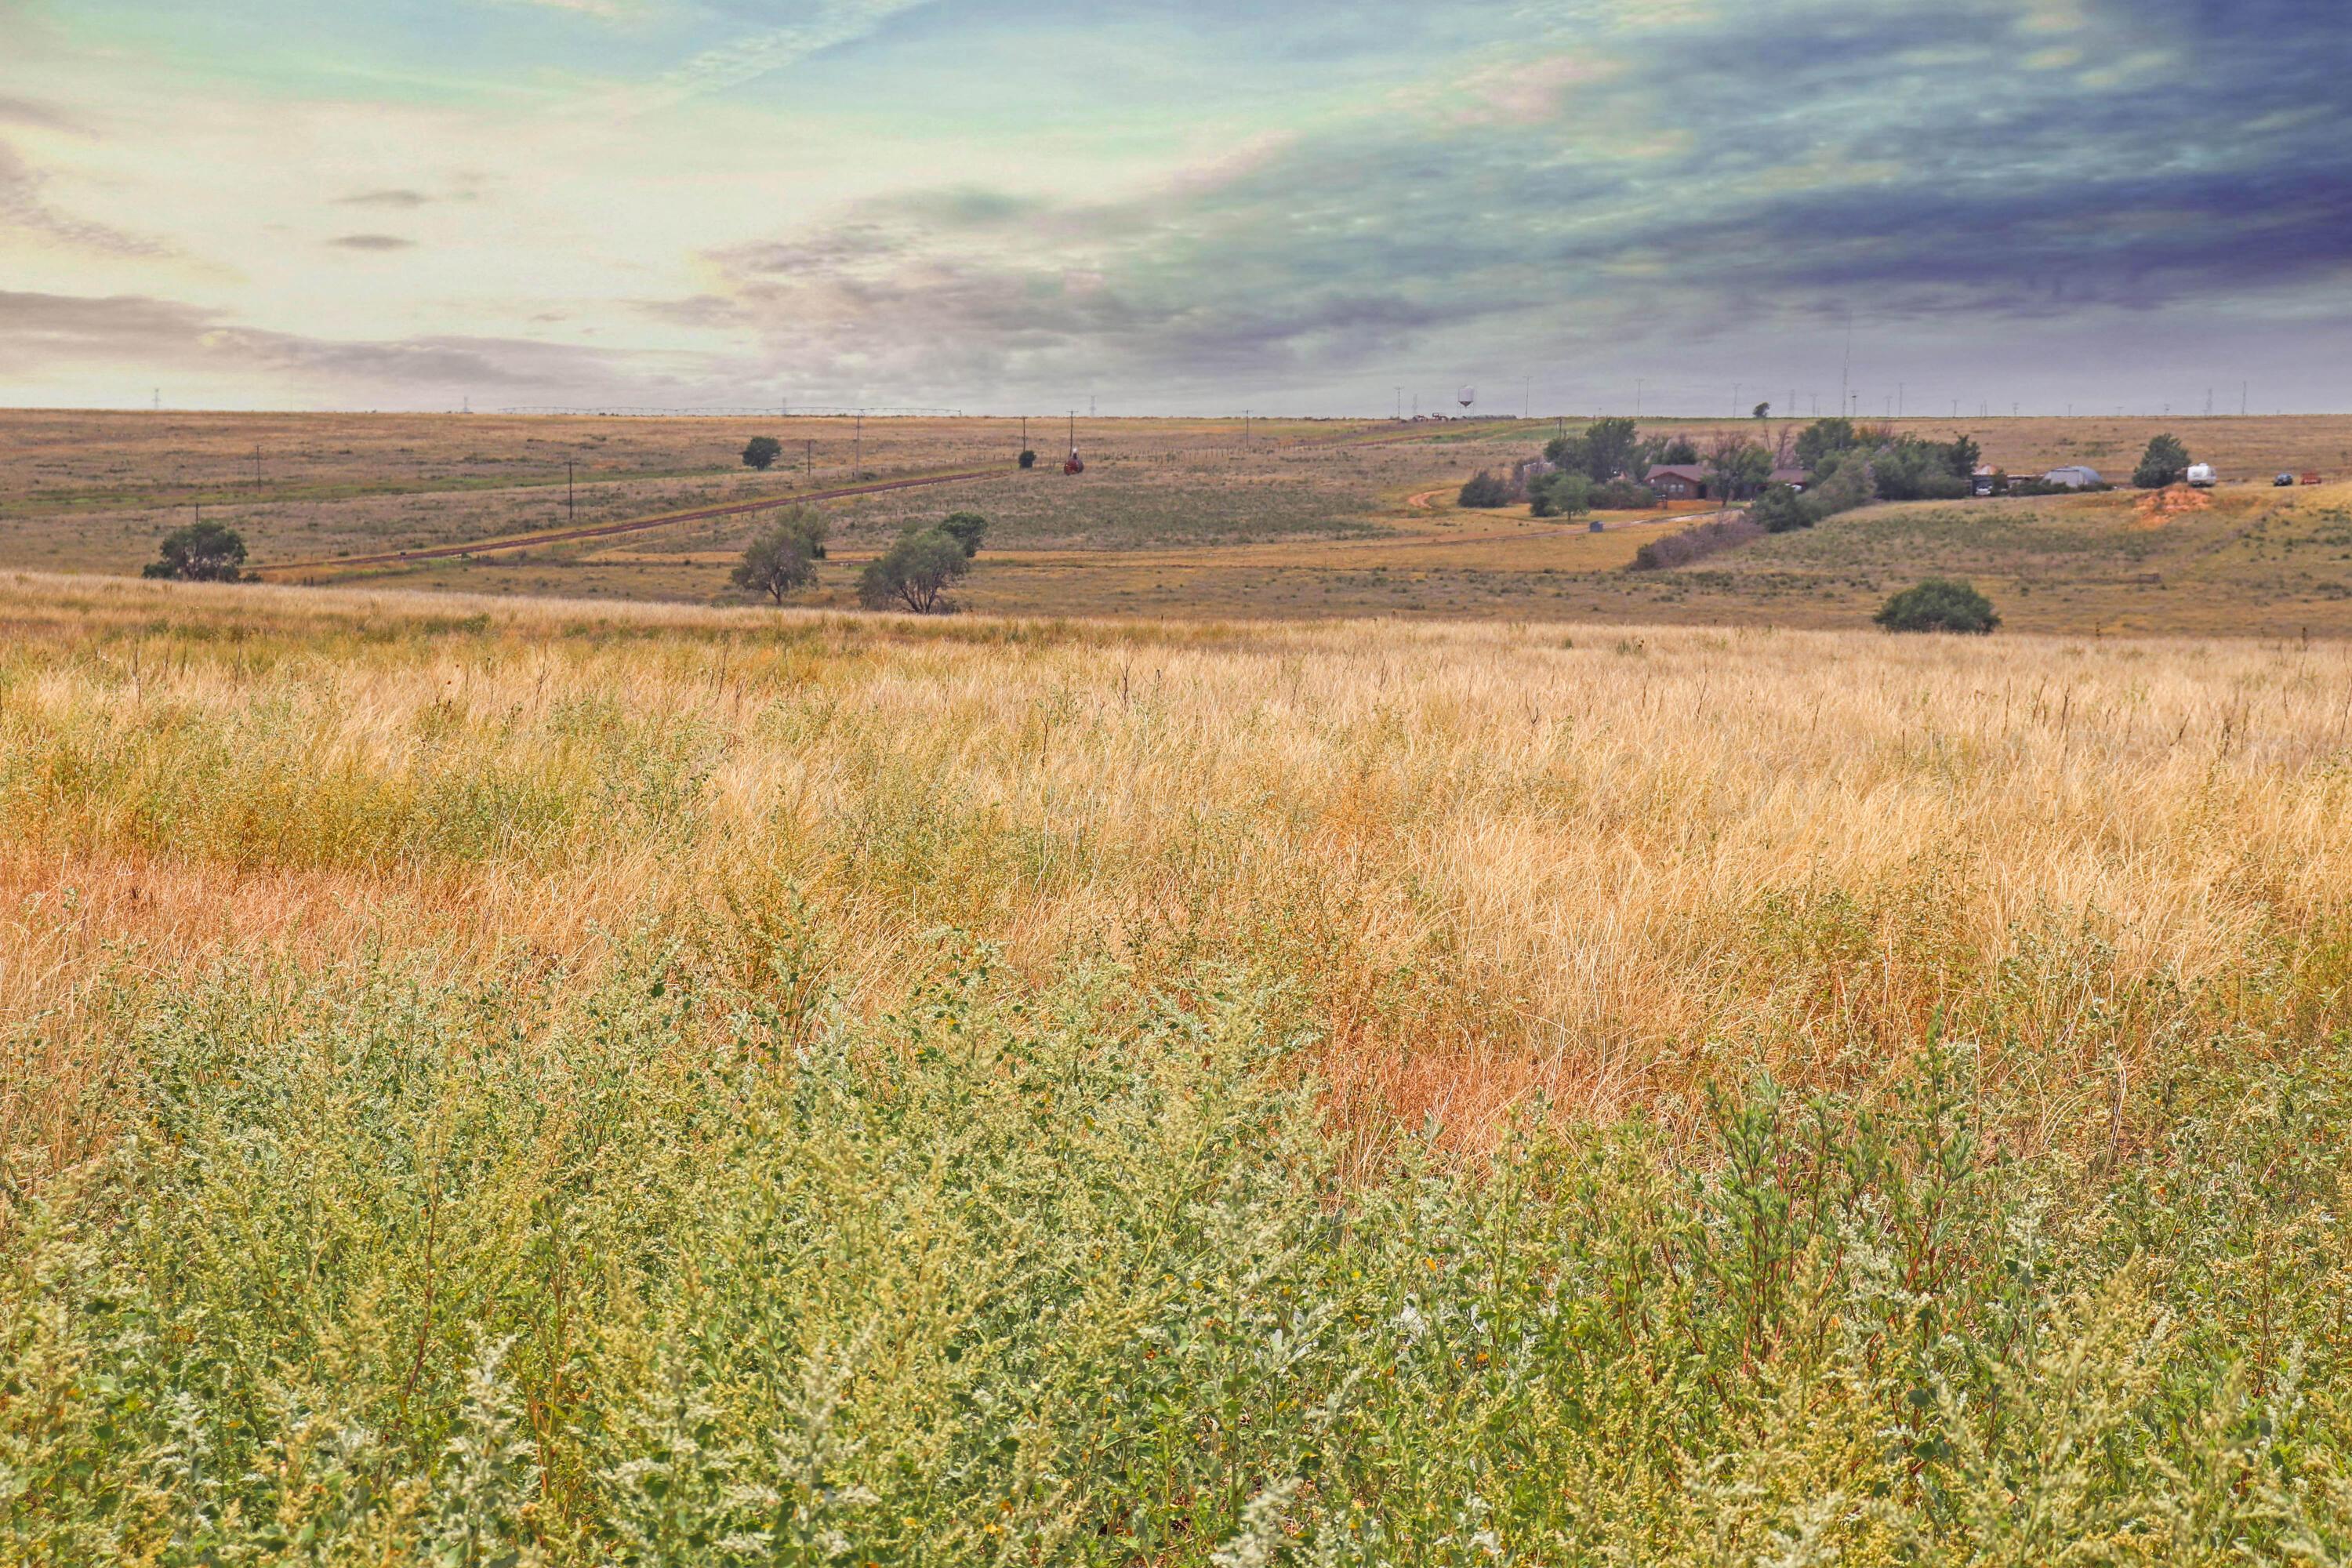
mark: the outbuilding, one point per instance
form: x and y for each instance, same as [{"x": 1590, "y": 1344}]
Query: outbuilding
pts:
[{"x": 2075, "y": 476}]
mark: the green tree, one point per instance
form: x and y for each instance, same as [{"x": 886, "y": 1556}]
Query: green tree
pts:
[
  {"x": 914, "y": 572},
  {"x": 1483, "y": 490},
  {"x": 967, "y": 529},
  {"x": 1825, "y": 439},
  {"x": 1028, "y": 457},
  {"x": 1938, "y": 604},
  {"x": 762, "y": 452},
  {"x": 783, "y": 559},
  {"x": 1611, "y": 445},
  {"x": 1570, "y": 452},
  {"x": 1564, "y": 494},
  {"x": 2165, "y": 462},
  {"x": 1737, "y": 467},
  {"x": 1762, "y": 411},
  {"x": 200, "y": 552},
  {"x": 1780, "y": 509}
]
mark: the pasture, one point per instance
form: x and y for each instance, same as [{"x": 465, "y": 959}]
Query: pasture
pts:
[{"x": 490, "y": 1079}]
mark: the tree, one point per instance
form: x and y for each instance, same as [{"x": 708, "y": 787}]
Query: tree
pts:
[
  {"x": 1570, "y": 452},
  {"x": 783, "y": 559},
  {"x": 1824, "y": 440},
  {"x": 1666, "y": 449},
  {"x": 1565, "y": 494},
  {"x": 1938, "y": 604},
  {"x": 200, "y": 552},
  {"x": 1762, "y": 411},
  {"x": 914, "y": 572},
  {"x": 1780, "y": 509},
  {"x": 1624, "y": 495},
  {"x": 967, "y": 529},
  {"x": 762, "y": 452},
  {"x": 2165, "y": 462},
  {"x": 1484, "y": 490},
  {"x": 1737, "y": 467},
  {"x": 1610, "y": 447},
  {"x": 1028, "y": 457}
]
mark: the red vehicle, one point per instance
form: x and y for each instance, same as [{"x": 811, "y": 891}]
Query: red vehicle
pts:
[
  {"x": 1076, "y": 465},
  {"x": 2311, "y": 479}
]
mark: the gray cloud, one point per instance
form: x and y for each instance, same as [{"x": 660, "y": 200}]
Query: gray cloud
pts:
[
  {"x": 378, "y": 242},
  {"x": 398, "y": 198},
  {"x": 22, "y": 206},
  {"x": 38, "y": 116}
]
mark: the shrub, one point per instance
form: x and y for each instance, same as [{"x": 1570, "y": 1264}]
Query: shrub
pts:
[
  {"x": 200, "y": 552},
  {"x": 762, "y": 452},
  {"x": 915, "y": 572},
  {"x": 1624, "y": 495},
  {"x": 1695, "y": 544},
  {"x": 1028, "y": 457},
  {"x": 783, "y": 559},
  {"x": 2165, "y": 462},
  {"x": 1484, "y": 491},
  {"x": 1938, "y": 604}
]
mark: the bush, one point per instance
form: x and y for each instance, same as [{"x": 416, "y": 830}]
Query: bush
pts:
[
  {"x": 1695, "y": 544},
  {"x": 1624, "y": 495},
  {"x": 783, "y": 559},
  {"x": 1028, "y": 457},
  {"x": 200, "y": 552},
  {"x": 1938, "y": 604},
  {"x": 1484, "y": 491},
  {"x": 2165, "y": 462},
  {"x": 762, "y": 452},
  {"x": 1909, "y": 469},
  {"x": 914, "y": 574}
]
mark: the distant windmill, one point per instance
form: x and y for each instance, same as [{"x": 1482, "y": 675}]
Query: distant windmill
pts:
[{"x": 1466, "y": 396}]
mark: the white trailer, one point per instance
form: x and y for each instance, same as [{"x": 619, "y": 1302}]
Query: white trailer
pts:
[{"x": 2202, "y": 475}]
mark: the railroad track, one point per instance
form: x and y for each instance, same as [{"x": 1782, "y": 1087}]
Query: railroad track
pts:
[{"x": 609, "y": 529}]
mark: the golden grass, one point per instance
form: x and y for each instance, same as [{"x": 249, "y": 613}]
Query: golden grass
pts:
[{"x": 1485, "y": 862}]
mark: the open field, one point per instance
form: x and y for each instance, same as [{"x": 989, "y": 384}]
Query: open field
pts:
[
  {"x": 498, "y": 1080},
  {"x": 1173, "y": 518}
]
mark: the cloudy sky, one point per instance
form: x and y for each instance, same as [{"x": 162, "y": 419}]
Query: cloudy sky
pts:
[{"x": 1189, "y": 206}]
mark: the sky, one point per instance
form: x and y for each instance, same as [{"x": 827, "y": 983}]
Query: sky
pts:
[{"x": 1302, "y": 207}]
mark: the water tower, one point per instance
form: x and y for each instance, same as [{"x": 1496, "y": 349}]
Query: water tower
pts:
[{"x": 1466, "y": 396}]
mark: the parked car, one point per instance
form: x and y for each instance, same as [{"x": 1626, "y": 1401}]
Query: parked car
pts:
[
  {"x": 2283, "y": 479},
  {"x": 2311, "y": 479}
]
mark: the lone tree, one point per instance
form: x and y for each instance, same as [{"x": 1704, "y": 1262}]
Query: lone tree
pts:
[
  {"x": 967, "y": 529},
  {"x": 200, "y": 552},
  {"x": 2165, "y": 462},
  {"x": 1028, "y": 457},
  {"x": 762, "y": 452},
  {"x": 914, "y": 572},
  {"x": 1938, "y": 604},
  {"x": 1763, "y": 411},
  {"x": 1564, "y": 494},
  {"x": 1484, "y": 490},
  {"x": 783, "y": 559}
]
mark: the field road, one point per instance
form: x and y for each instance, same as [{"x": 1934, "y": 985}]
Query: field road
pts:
[{"x": 607, "y": 530}]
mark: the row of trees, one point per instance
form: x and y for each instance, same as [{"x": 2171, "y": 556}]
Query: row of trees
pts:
[
  {"x": 1851, "y": 465},
  {"x": 914, "y": 574}
]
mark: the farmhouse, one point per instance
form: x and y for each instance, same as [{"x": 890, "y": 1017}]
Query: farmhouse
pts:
[
  {"x": 1677, "y": 482},
  {"x": 1795, "y": 478}
]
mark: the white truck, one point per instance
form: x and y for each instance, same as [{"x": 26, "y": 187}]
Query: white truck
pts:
[{"x": 2202, "y": 475}]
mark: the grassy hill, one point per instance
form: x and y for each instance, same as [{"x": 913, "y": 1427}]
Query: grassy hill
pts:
[
  {"x": 500, "y": 1081},
  {"x": 2240, "y": 559}
]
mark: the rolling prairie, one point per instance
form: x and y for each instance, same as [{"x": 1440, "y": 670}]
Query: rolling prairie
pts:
[{"x": 504, "y": 1079}]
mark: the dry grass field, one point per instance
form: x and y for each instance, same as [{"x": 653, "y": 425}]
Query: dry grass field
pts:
[
  {"x": 494, "y": 1080},
  {"x": 1188, "y": 518}
]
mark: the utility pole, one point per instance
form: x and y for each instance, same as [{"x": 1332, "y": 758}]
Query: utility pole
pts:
[
  {"x": 1399, "y": 390},
  {"x": 571, "y": 513},
  {"x": 1637, "y": 397},
  {"x": 858, "y": 449},
  {"x": 1735, "y": 400},
  {"x": 1526, "y": 396},
  {"x": 1245, "y": 413},
  {"x": 1024, "y": 432},
  {"x": 1898, "y": 400},
  {"x": 256, "y": 465}
]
